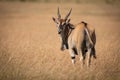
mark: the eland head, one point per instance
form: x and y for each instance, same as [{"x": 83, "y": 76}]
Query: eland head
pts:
[{"x": 60, "y": 22}]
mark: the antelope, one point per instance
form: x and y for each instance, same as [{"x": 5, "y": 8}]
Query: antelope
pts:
[{"x": 78, "y": 39}]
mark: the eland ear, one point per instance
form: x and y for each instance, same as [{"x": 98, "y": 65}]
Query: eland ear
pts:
[
  {"x": 68, "y": 20},
  {"x": 54, "y": 20}
]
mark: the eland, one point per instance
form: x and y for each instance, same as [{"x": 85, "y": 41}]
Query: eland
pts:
[{"x": 78, "y": 39}]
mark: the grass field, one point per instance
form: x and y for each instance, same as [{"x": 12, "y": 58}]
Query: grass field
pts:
[{"x": 30, "y": 46}]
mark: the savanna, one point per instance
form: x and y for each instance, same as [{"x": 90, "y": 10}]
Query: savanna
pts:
[{"x": 30, "y": 45}]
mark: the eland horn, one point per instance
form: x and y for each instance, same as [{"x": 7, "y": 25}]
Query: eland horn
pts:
[
  {"x": 68, "y": 14},
  {"x": 59, "y": 16}
]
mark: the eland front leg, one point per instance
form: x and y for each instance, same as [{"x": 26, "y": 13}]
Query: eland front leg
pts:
[{"x": 72, "y": 54}]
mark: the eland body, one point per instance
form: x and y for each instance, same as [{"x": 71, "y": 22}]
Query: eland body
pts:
[{"x": 79, "y": 38}]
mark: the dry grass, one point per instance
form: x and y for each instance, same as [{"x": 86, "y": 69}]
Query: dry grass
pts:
[{"x": 30, "y": 47}]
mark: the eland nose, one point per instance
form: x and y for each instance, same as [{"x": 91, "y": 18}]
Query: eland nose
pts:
[{"x": 59, "y": 32}]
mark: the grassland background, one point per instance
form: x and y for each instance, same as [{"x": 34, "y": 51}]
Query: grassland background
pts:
[
  {"x": 69, "y": 1},
  {"x": 30, "y": 46}
]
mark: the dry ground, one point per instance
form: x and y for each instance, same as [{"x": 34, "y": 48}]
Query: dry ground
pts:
[{"x": 30, "y": 46}]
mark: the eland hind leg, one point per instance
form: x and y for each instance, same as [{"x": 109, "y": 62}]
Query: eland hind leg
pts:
[
  {"x": 89, "y": 57},
  {"x": 81, "y": 54},
  {"x": 93, "y": 52}
]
